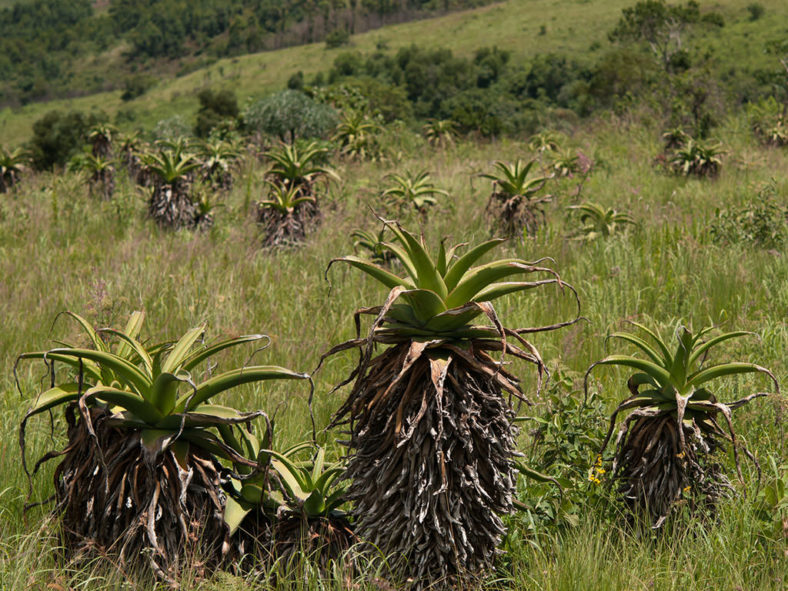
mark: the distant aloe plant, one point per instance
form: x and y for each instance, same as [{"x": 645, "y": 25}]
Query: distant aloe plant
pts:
[
  {"x": 412, "y": 190},
  {"x": 697, "y": 158},
  {"x": 440, "y": 133},
  {"x": 598, "y": 221},
  {"x": 514, "y": 204},
  {"x": 12, "y": 164}
]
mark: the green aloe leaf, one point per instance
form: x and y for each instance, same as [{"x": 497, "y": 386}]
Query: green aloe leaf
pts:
[
  {"x": 128, "y": 371},
  {"x": 482, "y": 277},
  {"x": 230, "y": 379},
  {"x": 128, "y": 401},
  {"x": 385, "y": 277},
  {"x": 55, "y": 397},
  {"x": 700, "y": 351},
  {"x": 726, "y": 369},
  {"x": 180, "y": 351},
  {"x": 457, "y": 270}
]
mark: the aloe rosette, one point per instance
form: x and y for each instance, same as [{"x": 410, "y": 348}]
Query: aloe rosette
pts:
[
  {"x": 147, "y": 448},
  {"x": 665, "y": 445},
  {"x": 432, "y": 441}
]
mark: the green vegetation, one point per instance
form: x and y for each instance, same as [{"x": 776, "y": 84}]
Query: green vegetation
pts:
[{"x": 426, "y": 451}]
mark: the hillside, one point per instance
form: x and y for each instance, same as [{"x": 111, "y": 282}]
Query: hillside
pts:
[{"x": 514, "y": 25}]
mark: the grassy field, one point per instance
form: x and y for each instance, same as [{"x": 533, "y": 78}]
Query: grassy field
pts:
[
  {"x": 572, "y": 27},
  {"x": 61, "y": 250}
]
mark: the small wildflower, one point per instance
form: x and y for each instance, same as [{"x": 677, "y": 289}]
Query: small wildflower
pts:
[
  {"x": 687, "y": 489},
  {"x": 680, "y": 455}
]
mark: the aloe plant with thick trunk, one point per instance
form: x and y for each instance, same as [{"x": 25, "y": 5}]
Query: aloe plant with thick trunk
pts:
[
  {"x": 432, "y": 439},
  {"x": 665, "y": 446},
  {"x": 141, "y": 475}
]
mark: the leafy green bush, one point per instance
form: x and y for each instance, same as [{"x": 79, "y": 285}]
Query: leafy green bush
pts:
[
  {"x": 57, "y": 136},
  {"x": 290, "y": 114},
  {"x": 762, "y": 222}
]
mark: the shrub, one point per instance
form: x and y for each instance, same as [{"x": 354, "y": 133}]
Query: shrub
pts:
[
  {"x": 215, "y": 108},
  {"x": 337, "y": 38},
  {"x": 762, "y": 222},
  {"x": 756, "y": 10},
  {"x": 57, "y": 136},
  {"x": 290, "y": 114}
]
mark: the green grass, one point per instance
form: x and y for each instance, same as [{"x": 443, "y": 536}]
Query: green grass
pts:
[
  {"x": 61, "y": 250},
  {"x": 572, "y": 26}
]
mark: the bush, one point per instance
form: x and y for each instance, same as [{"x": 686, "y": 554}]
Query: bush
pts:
[
  {"x": 761, "y": 223},
  {"x": 290, "y": 113},
  {"x": 136, "y": 85},
  {"x": 57, "y": 136},
  {"x": 215, "y": 108},
  {"x": 756, "y": 10},
  {"x": 337, "y": 38}
]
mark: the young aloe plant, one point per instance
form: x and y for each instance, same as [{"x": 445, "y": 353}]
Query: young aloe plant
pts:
[
  {"x": 664, "y": 446},
  {"x": 514, "y": 205},
  {"x": 285, "y": 216},
  {"x": 599, "y": 222},
  {"x": 292, "y": 503},
  {"x": 145, "y": 441},
  {"x": 413, "y": 190},
  {"x": 432, "y": 443}
]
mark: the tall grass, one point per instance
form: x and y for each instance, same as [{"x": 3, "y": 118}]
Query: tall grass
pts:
[{"x": 61, "y": 250}]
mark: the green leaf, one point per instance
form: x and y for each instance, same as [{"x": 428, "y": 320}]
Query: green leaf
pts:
[
  {"x": 700, "y": 351},
  {"x": 385, "y": 277},
  {"x": 726, "y": 369},
  {"x": 643, "y": 346},
  {"x": 457, "y": 270},
  {"x": 180, "y": 351},
  {"x": 54, "y": 397},
  {"x": 235, "y": 513},
  {"x": 428, "y": 276},
  {"x": 315, "y": 504},
  {"x": 129, "y": 401},
  {"x": 199, "y": 356},
  {"x": 481, "y": 277},
  {"x": 230, "y": 379},
  {"x": 661, "y": 375},
  {"x": 124, "y": 371},
  {"x": 425, "y": 303}
]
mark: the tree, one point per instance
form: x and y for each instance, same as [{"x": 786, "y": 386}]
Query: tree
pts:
[
  {"x": 289, "y": 115},
  {"x": 215, "y": 107},
  {"x": 658, "y": 24},
  {"x": 57, "y": 136}
]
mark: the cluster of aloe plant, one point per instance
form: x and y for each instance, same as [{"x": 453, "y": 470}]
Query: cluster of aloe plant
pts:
[
  {"x": 154, "y": 468},
  {"x": 293, "y": 181},
  {"x": 687, "y": 156}
]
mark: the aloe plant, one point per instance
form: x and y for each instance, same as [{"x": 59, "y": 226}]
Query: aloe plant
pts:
[
  {"x": 12, "y": 164},
  {"x": 298, "y": 166},
  {"x": 100, "y": 171},
  {"x": 283, "y": 215},
  {"x": 514, "y": 205},
  {"x": 432, "y": 442},
  {"x": 356, "y": 135},
  {"x": 697, "y": 158},
  {"x": 598, "y": 221},
  {"x": 292, "y": 504},
  {"x": 412, "y": 190},
  {"x": 440, "y": 133},
  {"x": 665, "y": 446},
  {"x": 141, "y": 473},
  {"x": 171, "y": 203}
]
